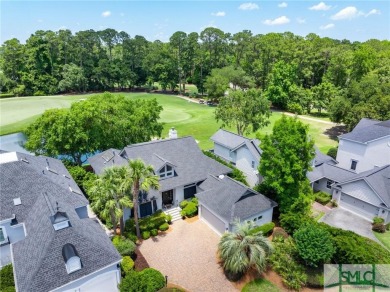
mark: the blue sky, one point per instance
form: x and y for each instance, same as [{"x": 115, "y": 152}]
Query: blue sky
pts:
[{"x": 353, "y": 20}]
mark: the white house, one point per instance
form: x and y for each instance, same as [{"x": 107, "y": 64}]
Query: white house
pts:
[
  {"x": 45, "y": 231},
  {"x": 366, "y": 194},
  {"x": 240, "y": 151},
  {"x": 365, "y": 147},
  {"x": 222, "y": 200},
  {"x": 179, "y": 163}
]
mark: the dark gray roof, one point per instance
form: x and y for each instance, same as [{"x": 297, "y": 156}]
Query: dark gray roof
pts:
[
  {"x": 230, "y": 199},
  {"x": 367, "y": 130},
  {"x": 321, "y": 158},
  {"x": 100, "y": 161},
  {"x": 190, "y": 164},
  {"x": 378, "y": 179},
  {"x": 234, "y": 141},
  {"x": 331, "y": 171},
  {"x": 37, "y": 259}
]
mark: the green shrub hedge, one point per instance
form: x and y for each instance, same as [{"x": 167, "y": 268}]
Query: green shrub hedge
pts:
[
  {"x": 378, "y": 220},
  {"x": 127, "y": 265},
  {"x": 332, "y": 152},
  {"x": 7, "y": 283},
  {"x": 183, "y": 204},
  {"x": 125, "y": 246},
  {"x": 190, "y": 210},
  {"x": 148, "y": 223},
  {"x": 322, "y": 197},
  {"x": 163, "y": 227},
  {"x": 145, "y": 235},
  {"x": 153, "y": 232},
  {"x": 148, "y": 280},
  {"x": 265, "y": 229}
]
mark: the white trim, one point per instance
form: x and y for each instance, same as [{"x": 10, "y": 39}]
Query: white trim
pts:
[
  {"x": 114, "y": 263},
  {"x": 364, "y": 143}
]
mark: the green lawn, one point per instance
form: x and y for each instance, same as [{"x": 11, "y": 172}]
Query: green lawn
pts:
[
  {"x": 260, "y": 285},
  {"x": 187, "y": 117},
  {"x": 384, "y": 238}
]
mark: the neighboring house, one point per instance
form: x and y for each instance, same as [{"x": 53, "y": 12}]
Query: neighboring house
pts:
[
  {"x": 366, "y": 194},
  {"x": 222, "y": 200},
  {"x": 242, "y": 152},
  {"x": 45, "y": 230},
  {"x": 325, "y": 172},
  {"x": 179, "y": 163},
  {"x": 366, "y": 147}
]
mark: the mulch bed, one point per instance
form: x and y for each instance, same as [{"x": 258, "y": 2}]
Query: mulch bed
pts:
[{"x": 140, "y": 262}]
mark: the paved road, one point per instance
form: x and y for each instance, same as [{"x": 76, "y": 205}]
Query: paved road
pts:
[{"x": 187, "y": 255}]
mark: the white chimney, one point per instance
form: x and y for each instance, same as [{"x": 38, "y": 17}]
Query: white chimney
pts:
[{"x": 172, "y": 133}]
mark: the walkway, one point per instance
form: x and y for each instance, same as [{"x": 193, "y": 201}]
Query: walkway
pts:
[{"x": 187, "y": 255}]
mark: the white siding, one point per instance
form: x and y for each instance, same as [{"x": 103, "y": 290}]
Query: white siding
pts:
[
  {"x": 375, "y": 153},
  {"x": 266, "y": 217},
  {"x": 106, "y": 279},
  {"x": 244, "y": 163},
  {"x": 178, "y": 195},
  {"x": 212, "y": 220},
  {"x": 222, "y": 151},
  {"x": 359, "y": 207},
  {"x": 321, "y": 186}
]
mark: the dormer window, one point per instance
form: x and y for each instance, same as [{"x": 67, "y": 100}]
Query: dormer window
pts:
[
  {"x": 166, "y": 171},
  {"x": 60, "y": 220},
  {"x": 71, "y": 258}
]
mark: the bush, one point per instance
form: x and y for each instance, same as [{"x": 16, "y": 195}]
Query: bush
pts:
[
  {"x": 131, "y": 236},
  {"x": 127, "y": 265},
  {"x": 332, "y": 152},
  {"x": 7, "y": 278},
  {"x": 163, "y": 227},
  {"x": 291, "y": 221},
  {"x": 183, "y": 204},
  {"x": 148, "y": 280},
  {"x": 379, "y": 227},
  {"x": 190, "y": 210},
  {"x": 334, "y": 203},
  {"x": 195, "y": 201},
  {"x": 153, "y": 232},
  {"x": 264, "y": 229},
  {"x": 145, "y": 235},
  {"x": 6, "y": 95},
  {"x": 124, "y": 246},
  {"x": 315, "y": 277},
  {"x": 314, "y": 244},
  {"x": 378, "y": 220},
  {"x": 322, "y": 197},
  {"x": 388, "y": 226},
  {"x": 295, "y": 108},
  {"x": 168, "y": 218},
  {"x": 279, "y": 232},
  {"x": 39, "y": 93},
  {"x": 148, "y": 223}
]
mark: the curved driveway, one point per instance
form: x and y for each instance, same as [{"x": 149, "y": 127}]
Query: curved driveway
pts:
[{"x": 187, "y": 255}]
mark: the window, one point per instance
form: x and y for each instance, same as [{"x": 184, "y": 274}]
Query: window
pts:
[
  {"x": 317, "y": 182},
  {"x": 253, "y": 164},
  {"x": 259, "y": 218},
  {"x": 329, "y": 183},
  {"x": 353, "y": 164},
  {"x": 73, "y": 264},
  {"x": 71, "y": 258},
  {"x": 3, "y": 236},
  {"x": 166, "y": 171},
  {"x": 255, "y": 219}
]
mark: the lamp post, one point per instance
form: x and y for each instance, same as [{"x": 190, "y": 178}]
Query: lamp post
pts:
[{"x": 166, "y": 281}]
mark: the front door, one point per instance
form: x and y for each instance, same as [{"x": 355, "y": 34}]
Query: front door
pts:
[{"x": 167, "y": 197}]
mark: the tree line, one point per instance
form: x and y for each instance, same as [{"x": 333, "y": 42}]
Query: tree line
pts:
[{"x": 350, "y": 80}]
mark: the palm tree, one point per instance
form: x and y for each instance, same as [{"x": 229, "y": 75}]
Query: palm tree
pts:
[
  {"x": 142, "y": 178},
  {"x": 241, "y": 251},
  {"x": 109, "y": 195}
]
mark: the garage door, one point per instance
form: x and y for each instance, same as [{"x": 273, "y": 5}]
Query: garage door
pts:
[
  {"x": 358, "y": 206},
  {"x": 214, "y": 222}
]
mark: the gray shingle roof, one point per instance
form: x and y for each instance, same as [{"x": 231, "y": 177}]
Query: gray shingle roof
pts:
[
  {"x": 378, "y": 178},
  {"x": 38, "y": 261},
  {"x": 321, "y": 158},
  {"x": 230, "y": 199},
  {"x": 330, "y": 171},
  {"x": 99, "y": 161},
  {"x": 190, "y": 164},
  {"x": 367, "y": 130},
  {"x": 234, "y": 141}
]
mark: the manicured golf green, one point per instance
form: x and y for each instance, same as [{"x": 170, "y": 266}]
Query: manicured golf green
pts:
[{"x": 187, "y": 117}]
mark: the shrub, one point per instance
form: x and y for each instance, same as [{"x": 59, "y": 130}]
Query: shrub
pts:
[
  {"x": 334, "y": 203},
  {"x": 168, "y": 218},
  {"x": 131, "y": 236},
  {"x": 148, "y": 280},
  {"x": 279, "y": 232},
  {"x": 153, "y": 232},
  {"x": 295, "y": 108},
  {"x": 39, "y": 93},
  {"x": 388, "y": 226},
  {"x": 145, "y": 235},
  {"x": 127, "y": 265},
  {"x": 116, "y": 239},
  {"x": 195, "y": 201},
  {"x": 264, "y": 229},
  {"x": 163, "y": 227},
  {"x": 6, "y": 95},
  {"x": 332, "y": 152},
  {"x": 183, "y": 204},
  {"x": 291, "y": 221},
  {"x": 154, "y": 280},
  {"x": 190, "y": 210},
  {"x": 378, "y": 220},
  {"x": 322, "y": 197},
  {"x": 7, "y": 278},
  {"x": 379, "y": 227},
  {"x": 125, "y": 246},
  {"x": 314, "y": 244},
  {"x": 315, "y": 277}
]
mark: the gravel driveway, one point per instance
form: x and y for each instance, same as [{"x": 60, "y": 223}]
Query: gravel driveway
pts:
[
  {"x": 346, "y": 220},
  {"x": 187, "y": 255}
]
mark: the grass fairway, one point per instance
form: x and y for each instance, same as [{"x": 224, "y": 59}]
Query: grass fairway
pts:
[
  {"x": 384, "y": 238},
  {"x": 187, "y": 117},
  {"x": 260, "y": 285}
]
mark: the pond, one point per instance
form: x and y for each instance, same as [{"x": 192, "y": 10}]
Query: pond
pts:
[{"x": 13, "y": 142}]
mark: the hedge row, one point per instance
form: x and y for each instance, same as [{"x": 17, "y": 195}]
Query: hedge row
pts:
[{"x": 265, "y": 229}]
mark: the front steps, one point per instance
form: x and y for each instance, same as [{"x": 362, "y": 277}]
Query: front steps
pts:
[{"x": 174, "y": 212}]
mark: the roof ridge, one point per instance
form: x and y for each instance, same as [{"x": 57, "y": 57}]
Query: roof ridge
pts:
[
  {"x": 234, "y": 134},
  {"x": 157, "y": 141}
]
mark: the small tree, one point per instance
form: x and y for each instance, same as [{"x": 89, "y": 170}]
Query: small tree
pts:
[
  {"x": 314, "y": 245},
  {"x": 241, "y": 251},
  {"x": 244, "y": 109}
]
